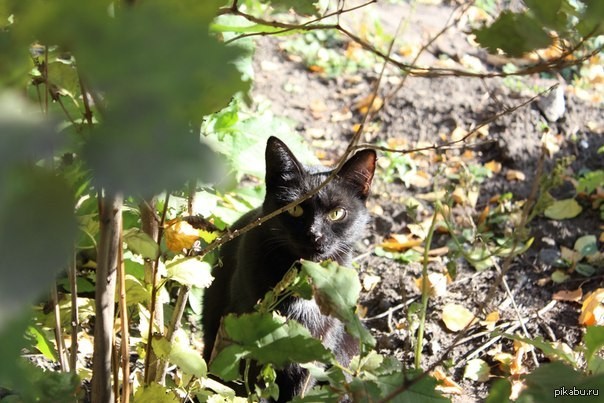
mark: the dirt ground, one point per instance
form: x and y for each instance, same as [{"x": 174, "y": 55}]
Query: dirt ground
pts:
[{"x": 421, "y": 112}]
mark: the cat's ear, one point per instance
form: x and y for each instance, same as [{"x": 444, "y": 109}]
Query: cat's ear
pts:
[
  {"x": 358, "y": 171},
  {"x": 281, "y": 164}
]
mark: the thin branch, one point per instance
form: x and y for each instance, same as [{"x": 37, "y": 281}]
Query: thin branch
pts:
[{"x": 461, "y": 141}]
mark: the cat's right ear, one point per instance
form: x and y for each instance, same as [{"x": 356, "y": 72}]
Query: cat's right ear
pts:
[{"x": 281, "y": 164}]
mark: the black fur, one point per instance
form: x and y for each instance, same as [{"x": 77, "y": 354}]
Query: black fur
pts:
[{"x": 253, "y": 263}]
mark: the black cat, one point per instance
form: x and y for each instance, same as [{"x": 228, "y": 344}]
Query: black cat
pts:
[{"x": 326, "y": 226}]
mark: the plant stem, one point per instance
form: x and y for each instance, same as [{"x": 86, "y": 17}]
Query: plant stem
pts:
[
  {"x": 75, "y": 325},
  {"x": 125, "y": 344},
  {"x": 110, "y": 216},
  {"x": 425, "y": 291}
]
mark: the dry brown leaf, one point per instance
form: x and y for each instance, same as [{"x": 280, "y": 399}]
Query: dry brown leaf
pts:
[
  {"x": 456, "y": 317},
  {"x": 592, "y": 311},
  {"x": 569, "y": 295},
  {"x": 180, "y": 235},
  {"x": 316, "y": 69},
  {"x": 551, "y": 143},
  {"x": 514, "y": 175},
  {"x": 446, "y": 384},
  {"x": 400, "y": 242},
  {"x": 493, "y": 166},
  {"x": 468, "y": 155},
  {"x": 483, "y": 215},
  {"x": 363, "y": 105},
  {"x": 432, "y": 196},
  {"x": 570, "y": 255}
]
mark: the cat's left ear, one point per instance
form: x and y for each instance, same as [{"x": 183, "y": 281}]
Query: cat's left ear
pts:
[{"x": 358, "y": 171}]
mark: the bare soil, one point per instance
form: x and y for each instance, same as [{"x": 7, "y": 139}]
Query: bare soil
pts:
[{"x": 423, "y": 110}]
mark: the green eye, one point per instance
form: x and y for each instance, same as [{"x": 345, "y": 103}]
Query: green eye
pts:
[
  {"x": 296, "y": 211},
  {"x": 337, "y": 214}
]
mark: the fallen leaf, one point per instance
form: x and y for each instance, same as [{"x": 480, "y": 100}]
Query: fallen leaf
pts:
[
  {"x": 316, "y": 69},
  {"x": 491, "y": 320},
  {"x": 592, "y": 311},
  {"x": 400, "y": 242},
  {"x": 180, "y": 235},
  {"x": 363, "y": 105},
  {"x": 477, "y": 370},
  {"x": 514, "y": 175},
  {"x": 456, "y": 317},
  {"x": 418, "y": 179},
  {"x": 445, "y": 383},
  {"x": 551, "y": 143},
  {"x": 570, "y": 255},
  {"x": 563, "y": 209},
  {"x": 341, "y": 115},
  {"x": 505, "y": 361},
  {"x": 483, "y": 215},
  {"x": 432, "y": 196},
  {"x": 437, "y": 284},
  {"x": 569, "y": 295},
  {"x": 493, "y": 166},
  {"x": 559, "y": 276},
  {"x": 370, "y": 281},
  {"x": 458, "y": 134}
]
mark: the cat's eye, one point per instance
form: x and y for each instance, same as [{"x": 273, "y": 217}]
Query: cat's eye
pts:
[
  {"x": 337, "y": 214},
  {"x": 296, "y": 211}
]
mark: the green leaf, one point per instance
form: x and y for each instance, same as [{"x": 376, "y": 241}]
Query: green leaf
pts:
[
  {"x": 227, "y": 363},
  {"x": 65, "y": 77},
  {"x": 141, "y": 243},
  {"x": 558, "y": 382},
  {"x": 155, "y": 393},
  {"x": 36, "y": 207},
  {"x": 190, "y": 271},
  {"x": 185, "y": 357},
  {"x": 547, "y": 348},
  {"x": 336, "y": 291},
  {"x": 591, "y": 21},
  {"x": 590, "y": 181},
  {"x": 513, "y": 33},
  {"x": 500, "y": 392},
  {"x": 594, "y": 341},
  {"x": 266, "y": 338},
  {"x": 586, "y": 245},
  {"x": 477, "y": 370},
  {"x": 549, "y": 13},
  {"x": 337, "y": 288},
  {"x": 563, "y": 209},
  {"x": 42, "y": 343},
  {"x": 136, "y": 292}
]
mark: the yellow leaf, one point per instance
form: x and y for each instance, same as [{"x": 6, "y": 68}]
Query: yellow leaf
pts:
[
  {"x": 562, "y": 209},
  {"x": 180, "y": 235},
  {"x": 363, "y": 105},
  {"x": 446, "y": 384},
  {"x": 493, "y": 166},
  {"x": 592, "y": 311},
  {"x": 456, "y": 317},
  {"x": 491, "y": 320},
  {"x": 400, "y": 242}
]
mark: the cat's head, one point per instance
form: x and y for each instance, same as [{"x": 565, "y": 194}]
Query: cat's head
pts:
[{"x": 327, "y": 225}]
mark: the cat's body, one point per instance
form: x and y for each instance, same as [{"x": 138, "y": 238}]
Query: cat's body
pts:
[{"x": 324, "y": 227}]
